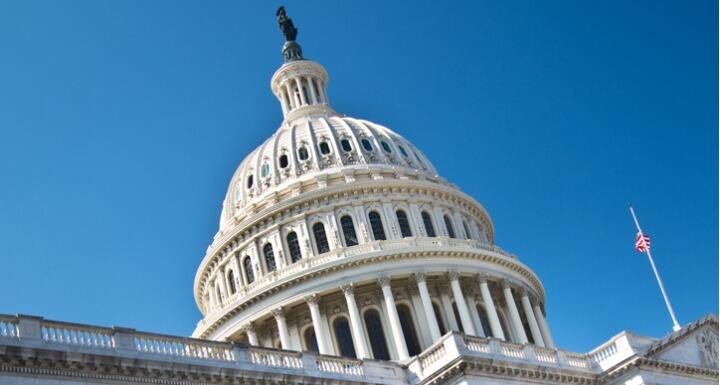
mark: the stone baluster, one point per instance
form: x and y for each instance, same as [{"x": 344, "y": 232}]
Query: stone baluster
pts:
[
  {"x": 514, "y": 314},
  {"x": 395, "y": 326},
  {"x": 460, "y": 303},
  {"x": 428, "y": 307},
  {"x": 492, "y": 315},
  {"x": 323, "y": 345},
  {"x": 356, "y": 326}
]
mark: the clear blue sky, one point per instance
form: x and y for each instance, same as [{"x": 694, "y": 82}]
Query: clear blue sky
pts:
[{"x": 122, "y": 122}]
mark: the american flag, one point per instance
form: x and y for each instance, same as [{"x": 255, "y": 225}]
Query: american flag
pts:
[{"x": 642, "y": 242}]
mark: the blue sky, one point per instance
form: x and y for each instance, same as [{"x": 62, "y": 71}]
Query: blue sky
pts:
[{"x": 121, "y": 123}]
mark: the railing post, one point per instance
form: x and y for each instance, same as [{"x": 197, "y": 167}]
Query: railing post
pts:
[
  {"x": 124, "y": 339},
  {"x": 241, "y": 354},
  {"x": 309, "y": 362},
  {"x": 29, "y": 328},
  {"x": 562, "y": 360},
  {"x": 529, "y": 352}
]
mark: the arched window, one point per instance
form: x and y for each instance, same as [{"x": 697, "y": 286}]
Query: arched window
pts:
[
  {"x": 484, "y": 322},
  {"x": 408, "y": 328},
  {"x": 427, "y": 222},
  {"x": 231, "y": 282},
  {"x": 344, "y": 337},
  {"x": 386, "y": 146},
  {"x": 348, "y": 229},
  {"x": 265, "y": 169},
  {"x": 376, "y": 335},
  {"x": 467, "y": 230},
  {"x": 218, "y": 294},
  {"x": 293, "y": 247},
  {"x": 402, "y": 151},
  {"x": 449, "y": 226},
  {"x": 345, "y": 144},
  {"x": 283, "y": 160},
  {"x": 249, "y": 181},
  {"x": 269, "y": 257},
  {"x": 439, "y": 319},
  {"x": 377, "y": 226},
  {"x": 303, "y": 153},
  {"x": 310, "y": 340},
  {"x": 324, "y": 148},
  {"x": 321, "y": 241},
  {"x": 404, "y": 224},
  {"x": 458, "y": 320},
  {"x": 249, "y": 274},
  {"x": 366, "y": 144}
]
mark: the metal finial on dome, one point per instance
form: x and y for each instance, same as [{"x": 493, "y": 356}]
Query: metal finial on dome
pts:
[{"x": 291, "y": 49}]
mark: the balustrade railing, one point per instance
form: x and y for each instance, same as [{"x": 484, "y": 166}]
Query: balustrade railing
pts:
[
  {"x": 74, "y": 334},
  {"x": 277, "y": 358},
  {"x": 8, "y": 327},
  {"x": 340, "y": 365},
  {"x": 182, "y": 347}
]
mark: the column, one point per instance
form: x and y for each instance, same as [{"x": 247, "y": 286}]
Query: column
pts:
[
  {"x": 313, "y": 92},
  {"x": 452, "y": 323},
  {"x": 495, "y": 327},
  {"x": 460, "y": 303},
  {"x": 238, "y": 273},
  {"x": 312, "y": 301},
  {"x": 323, "y": 95},
  {"x": 544, "y": 329},
  {"x": 279, "y": 314},
  {"x": 395, "y": 327},
  {"x": 427, "y": 307},
  {"x": 472, "y": 305},
  {"x": 249, "y": 330},
  {"x": 514, "y": 314},
  {"x": 224, "y": 292},
  {"x": 532, "y": 322},
  {"x": 291, "y": 96},
  {"x": 356, "y": 325},
  {"x": 298, "y": 84}
]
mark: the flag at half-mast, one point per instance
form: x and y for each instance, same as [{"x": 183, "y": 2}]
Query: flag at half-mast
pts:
[{"x": 642, "y": 242}]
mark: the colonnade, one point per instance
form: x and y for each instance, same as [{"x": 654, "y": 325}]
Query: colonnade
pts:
[
  {"x": 301, "y": 91},
  {"x": 522, "y": 321}
]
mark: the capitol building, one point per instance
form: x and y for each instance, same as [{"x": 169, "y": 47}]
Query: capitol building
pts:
[{"x": 342, "y": 257}]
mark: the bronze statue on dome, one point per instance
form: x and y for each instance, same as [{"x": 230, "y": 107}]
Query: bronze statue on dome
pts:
[{"x": 286, "y": 25}]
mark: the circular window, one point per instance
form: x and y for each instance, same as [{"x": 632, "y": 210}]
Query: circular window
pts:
[
  {"x": 386, "y": 146},
  {"x": 265, "y": 170},
  {"x": 283, "y": 160},
  {"x": 303, "y": 153},
  {"x": 366, "y": 144},
  {"x": 249, "y": 181},
  {"x": 345, "y": 144},
  {"x": 402, "y": 151},
  {"x": 324, "y": 148}
]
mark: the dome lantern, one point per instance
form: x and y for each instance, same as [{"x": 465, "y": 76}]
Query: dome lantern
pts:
[{"x": 299, "y": 84}]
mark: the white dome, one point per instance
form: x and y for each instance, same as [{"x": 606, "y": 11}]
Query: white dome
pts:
[{"x": 306, "y": 147}]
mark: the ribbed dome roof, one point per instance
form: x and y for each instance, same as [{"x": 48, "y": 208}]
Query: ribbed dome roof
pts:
[{"x": 306, "y": 147}]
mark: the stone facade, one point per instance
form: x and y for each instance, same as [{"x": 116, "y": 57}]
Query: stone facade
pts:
[{"x": 342, "y": 257}]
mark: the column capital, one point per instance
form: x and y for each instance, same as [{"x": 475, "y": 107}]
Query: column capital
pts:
[
  {"x": 505, "y": 284},
  {"x": 384, "y": 281},
  {"x": 347, "y": 289},
  {"x": 453, "y": 275},
  {"x": 524, "y": 292},
  {"x": 419, "y": 276},
  {"x": 312, "y": 299},
  {"x": 278, "y": 313},
  {"x": 248, "y": 327},
  {"x": 482, "y": 278}
]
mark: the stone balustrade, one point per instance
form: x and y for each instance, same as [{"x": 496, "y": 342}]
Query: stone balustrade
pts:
[{"x": 36, "y": 332}]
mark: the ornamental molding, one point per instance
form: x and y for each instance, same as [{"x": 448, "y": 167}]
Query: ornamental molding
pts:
[
  {"x": 210, "y": 324},
  {"x": 240, "y": 235}
]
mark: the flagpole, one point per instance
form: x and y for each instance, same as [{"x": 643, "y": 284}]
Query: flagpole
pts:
[{"x": 676, "y": 325}]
